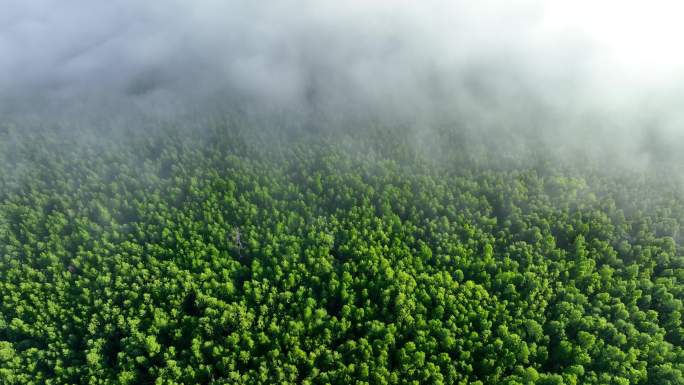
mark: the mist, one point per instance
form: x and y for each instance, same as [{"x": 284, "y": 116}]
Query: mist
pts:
[{"x": 602, "y": 79}]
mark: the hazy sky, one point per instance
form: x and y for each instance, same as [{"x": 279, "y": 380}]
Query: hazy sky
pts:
[{"x": 594, "y": 68}]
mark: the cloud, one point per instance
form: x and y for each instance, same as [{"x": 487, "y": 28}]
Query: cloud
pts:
[
  {"x": 539, "y": 67},
  {"x": 281, "y": 50}
]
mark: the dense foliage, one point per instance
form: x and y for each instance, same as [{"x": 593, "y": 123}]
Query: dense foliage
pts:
[{"x": 330, "y": 259}]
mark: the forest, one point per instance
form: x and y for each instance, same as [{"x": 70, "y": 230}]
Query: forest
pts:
[{"x": 234, "y": 256}]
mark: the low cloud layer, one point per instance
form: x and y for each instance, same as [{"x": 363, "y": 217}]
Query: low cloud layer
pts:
[{"x": 562, "y": 73}]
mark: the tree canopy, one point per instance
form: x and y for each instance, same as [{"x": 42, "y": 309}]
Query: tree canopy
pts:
[{"x": 167, "y": 258}]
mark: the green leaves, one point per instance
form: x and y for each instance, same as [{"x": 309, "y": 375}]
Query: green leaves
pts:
[{"x": 203, "y": 261}]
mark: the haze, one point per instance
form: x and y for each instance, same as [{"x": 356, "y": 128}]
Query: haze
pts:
[{"x": 597, "y": 75}]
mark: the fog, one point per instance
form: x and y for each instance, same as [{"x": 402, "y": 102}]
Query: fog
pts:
[{"x": 606, "y": 78}]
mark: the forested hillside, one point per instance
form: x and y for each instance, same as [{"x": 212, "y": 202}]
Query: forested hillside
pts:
[{"x": 225, "y": 256}]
